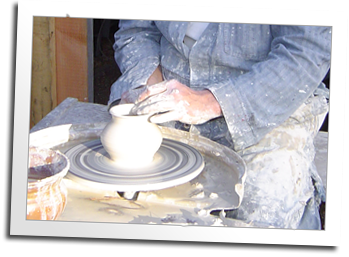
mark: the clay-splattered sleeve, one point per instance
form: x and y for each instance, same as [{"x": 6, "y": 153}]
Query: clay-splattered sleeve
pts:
[
  {"x": 261, "y": 99},
  {"x": 137, "y": 53}
]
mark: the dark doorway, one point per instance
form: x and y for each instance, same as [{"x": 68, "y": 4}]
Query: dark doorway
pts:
[{"x": 106, "y": 71}]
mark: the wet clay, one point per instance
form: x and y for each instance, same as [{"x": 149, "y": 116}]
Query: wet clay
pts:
[{"x": 130, "y": 140}]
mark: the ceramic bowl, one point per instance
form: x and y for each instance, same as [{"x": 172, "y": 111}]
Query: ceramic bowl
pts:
[{"x": 47, "y": 194}]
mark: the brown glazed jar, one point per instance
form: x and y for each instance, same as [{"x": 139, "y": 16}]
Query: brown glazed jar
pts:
[{"x": 46, "y": 194}]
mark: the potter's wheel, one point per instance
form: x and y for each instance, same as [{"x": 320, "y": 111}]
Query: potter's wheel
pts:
[{"x": 175, "y": 163}]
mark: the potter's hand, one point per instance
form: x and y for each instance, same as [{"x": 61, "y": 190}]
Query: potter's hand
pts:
[{"x": 171, "y": 100}]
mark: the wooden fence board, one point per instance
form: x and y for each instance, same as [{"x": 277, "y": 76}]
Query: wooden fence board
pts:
[{"x": 71, "y": 59}]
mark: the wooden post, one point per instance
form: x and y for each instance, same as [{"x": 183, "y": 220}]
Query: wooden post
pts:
[{"x": 43, "y": 91}]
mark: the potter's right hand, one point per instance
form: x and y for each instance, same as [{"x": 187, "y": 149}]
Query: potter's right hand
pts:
[{"x": 174, "y": 101}]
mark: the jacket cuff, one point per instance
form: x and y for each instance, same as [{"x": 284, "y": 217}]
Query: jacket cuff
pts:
[{"x": 235, "y": 115}]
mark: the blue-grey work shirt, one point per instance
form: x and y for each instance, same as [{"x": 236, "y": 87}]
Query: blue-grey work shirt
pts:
[{"x": 260, "y": 74}]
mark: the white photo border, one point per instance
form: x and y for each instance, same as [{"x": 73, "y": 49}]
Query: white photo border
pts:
[{"x": 312, "y": 13}]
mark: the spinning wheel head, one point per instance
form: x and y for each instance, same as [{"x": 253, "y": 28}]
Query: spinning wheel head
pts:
[{"x": 175, "y": 163}]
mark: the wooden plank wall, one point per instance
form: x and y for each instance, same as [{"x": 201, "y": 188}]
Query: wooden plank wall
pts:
[{"x": 60, "y": 63}]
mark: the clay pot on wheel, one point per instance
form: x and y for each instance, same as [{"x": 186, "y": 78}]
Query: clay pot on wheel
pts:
[
  {"x": 130, "y": 140},
  {"x": 47, "y": 194}
]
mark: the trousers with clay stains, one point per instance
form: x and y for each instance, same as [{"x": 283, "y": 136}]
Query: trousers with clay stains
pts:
[{"x": 283, "y": 188}]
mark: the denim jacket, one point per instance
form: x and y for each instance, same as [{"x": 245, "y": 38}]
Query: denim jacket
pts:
[{"x": 259, "y": 74}]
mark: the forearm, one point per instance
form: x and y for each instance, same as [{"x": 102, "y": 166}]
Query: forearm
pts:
[
  {"x": 156, "y": 77},
  {"x": 211, "y": 103}
]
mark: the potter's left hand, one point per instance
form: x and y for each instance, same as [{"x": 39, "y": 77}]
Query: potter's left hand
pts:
[{"x": 171, "y": 100}]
